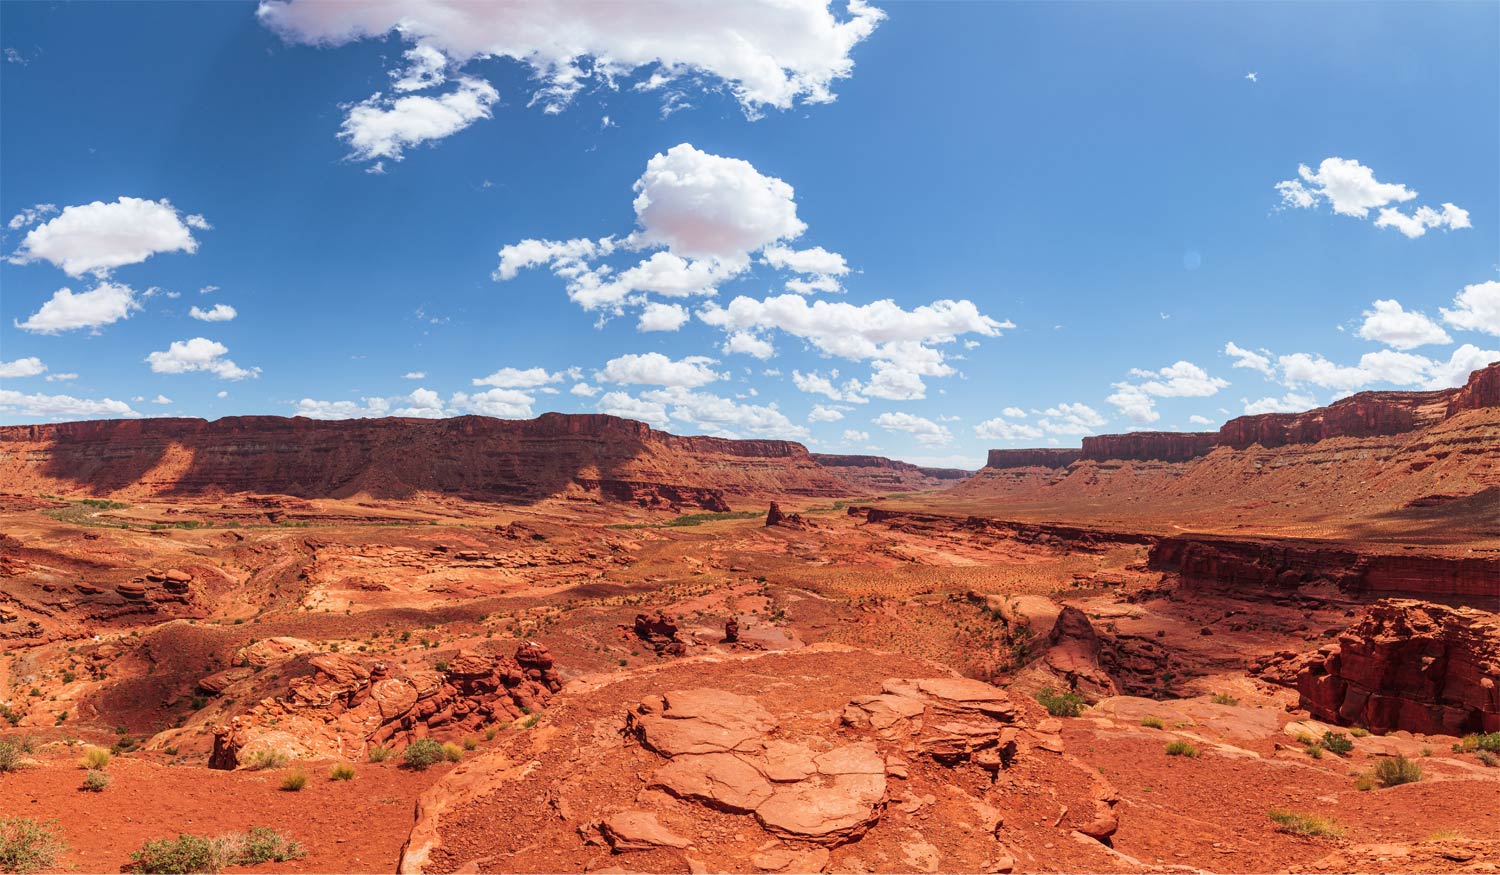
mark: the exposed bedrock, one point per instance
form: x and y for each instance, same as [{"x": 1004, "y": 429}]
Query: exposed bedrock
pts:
[
  {"x": 1409, "y": 665},
  {"x": 473, "y": 456},
  {"x": 879, "y": 474},
  {"x": 342, "y": 704},
  {"x": 1164, "y": 446},
  {"x": 1048, "y": 534},
  {"x": 1271, "y": 564}
]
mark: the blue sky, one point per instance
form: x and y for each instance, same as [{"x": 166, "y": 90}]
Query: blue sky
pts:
[{"x": 1072, "y": 209}]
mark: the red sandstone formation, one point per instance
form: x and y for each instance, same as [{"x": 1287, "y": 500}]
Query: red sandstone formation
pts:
[
  {"x": 471, "y": 456},
  {"x": 775, "y": 517},
  {"x": 879, "y": 474},
  {"x": 1410, "y": 665},
  {"x": 1164, "y": 446},
  {"x": 344, "y": 705},
  {"x": 1366, "y": 414},
  {"x": 660, "y": 633},
  {"x": 1262, "y": 563},
  {"x": 1033, "y": 458}
]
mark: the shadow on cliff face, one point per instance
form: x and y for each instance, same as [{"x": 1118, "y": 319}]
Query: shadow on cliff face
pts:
[
  {"x": 1437, "y": 519},
  {"x": 473, "y": 457}
]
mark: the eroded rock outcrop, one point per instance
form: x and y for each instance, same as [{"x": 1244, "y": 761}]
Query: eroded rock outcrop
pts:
[
  {"x": 346, "y": 704},
  {"x": 1046, "y": 457},
  {"x": 1409, "y": 665},
  {"x": 727, "y": 752}
]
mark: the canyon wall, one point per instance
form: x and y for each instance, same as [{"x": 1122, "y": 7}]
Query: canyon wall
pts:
[
  {"x": 1244, "y": 563},
  {"x": 1366, "y": 414},
  {"x": 472, "y": 456},
  {"x": 879, "y": 474}
]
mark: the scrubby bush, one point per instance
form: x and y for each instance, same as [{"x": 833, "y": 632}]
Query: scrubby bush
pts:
[
  {"x": 452, "y": 752},
  {"x": 95, "y": 780},
  {"x": 490, "y": 732},
  {"x": 269, "y": 759},
  {"x": 1397, "y": 770},
  {"x": 1153, "y": 722},
  {"x": 1364, "y": 783},
  {"x": 188, "y": 854},
  {"x": 1338, "y": 743},
  {"x": 1358, "y": 731},
  {"x": 1313, "y": 750},
  {"x": 28, "y": 845},
  {"x": 1305, "y": 824},
  {"x": 1181, "y": 749},
  {"x": 264, "y": 845},
  {"x": 10, "y": 756},
  {"x": 1064, "y": 704},
  {"x": 1224, "y": 699},
  {"x": 379, "y": 753},
  {"x": 422, "y": 753},
  {"x": 95, "y": 758},
  {"x": 1487, "y": 758},
  {"x": 341, "y": 772},
  {"x": 294, "y": 781},
  {"x": 183, "y": 855}
]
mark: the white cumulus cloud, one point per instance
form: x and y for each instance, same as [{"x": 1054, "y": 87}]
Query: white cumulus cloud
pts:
[
  {"x": 60, "y": 406},
  {"x": 198, "y": 354},
  {"x": 656, "y": 316},
  {"x": 925, "y": 431},
  {"x": 1476, "y": 308},
  {"x": 98, "y": 237},
  {"x": 383, "y": 127},
  {"x": 655, "y": 369},
  {"x": 102, "y": 305},
  {"x": 1351, "y": 189},
  {"x": 216, "y": 313},
  {"x": 515, "y": 378},
  {"x": 765, "y": 53},
  {"x": 30, "y": 366}
]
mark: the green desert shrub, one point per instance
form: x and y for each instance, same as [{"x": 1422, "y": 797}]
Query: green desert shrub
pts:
[
  {"x": 294, "y": 781},
  {"x": 1305, "y": 824},
  {"x": 379, "y": 753},
  {"x": 1397, "y": 770},
  {"x": 95, "y": 780},
  {"x": 1358, "y": 731},
  {"x": 28, "y": 845},
  {"x": 1181, "y": 749},
  {"x": 264, "y": 845},
  {"x": 1153, "y": 722},
  {"x": 452, "y": 752},
  {"x": 1224, "y": 699},
  {"x": 1338, "y": 743},
  {"x": 422, "y": 753},
  {"x": 1064, "y": 704},
  {"x": 341, "y": 772},
  {"x": 188, "y": 854}
]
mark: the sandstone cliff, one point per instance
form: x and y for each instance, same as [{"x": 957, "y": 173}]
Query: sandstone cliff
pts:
[
  {"x": 472, "y": 456},
  {"x": 1033, "y": 458},
  {"x": 879, "y": 474},
  {"x": 1366, "y": 414},
  {"x": 1410, "y": 665},
  {"x": 1421, "y": 466}
]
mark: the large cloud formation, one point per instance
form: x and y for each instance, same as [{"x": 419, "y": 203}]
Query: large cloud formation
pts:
[{"x": 767, "y": 53}]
